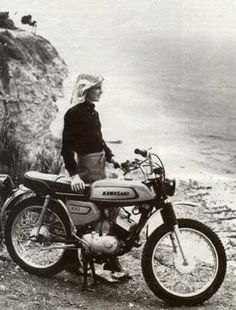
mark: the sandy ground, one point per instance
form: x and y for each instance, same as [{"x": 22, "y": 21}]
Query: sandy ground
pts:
[{"x": 19, "y": 290}]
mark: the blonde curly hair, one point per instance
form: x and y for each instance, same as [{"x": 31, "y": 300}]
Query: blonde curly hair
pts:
[{"x": 84, "y": 82}]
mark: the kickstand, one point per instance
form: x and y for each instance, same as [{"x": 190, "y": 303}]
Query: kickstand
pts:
[
  {"x": 88, "y": 262},
  {"x": 91, "y": 264}
]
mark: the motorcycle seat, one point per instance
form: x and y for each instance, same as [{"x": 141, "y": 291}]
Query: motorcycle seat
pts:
[{"x": 53, "y": 184}]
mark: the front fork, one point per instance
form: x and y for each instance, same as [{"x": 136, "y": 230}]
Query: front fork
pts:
[{"x": 169, "y": 218}]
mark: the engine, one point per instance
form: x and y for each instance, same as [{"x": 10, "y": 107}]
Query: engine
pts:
[
  {"x": 100, "y": 235},
  {"x": 105, "y": 229},
  {"x": 104, "y": 244}
]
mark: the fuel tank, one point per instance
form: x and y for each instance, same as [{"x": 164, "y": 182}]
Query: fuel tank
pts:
[{"x": 117, "y": 191}]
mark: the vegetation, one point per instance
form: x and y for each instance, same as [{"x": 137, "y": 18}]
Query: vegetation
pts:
[
  {"x": 8, "y": 50},
  {"x": 25, "y": 50},
  {"x": 11, "y": 150},
  {"x": 37, "y": 48},
  {"x": 47, "y": 162},
  {"x": 13, "y": 156}
]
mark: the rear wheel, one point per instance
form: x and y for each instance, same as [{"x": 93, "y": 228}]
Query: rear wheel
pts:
[
  {"x": 172, "y": 280},
  {"x": 37, "y": 256}
]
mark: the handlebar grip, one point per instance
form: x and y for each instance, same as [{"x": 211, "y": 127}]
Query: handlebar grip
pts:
[
  {"x": 141, "y": 152},
  {"x": 125, "y": 166}
]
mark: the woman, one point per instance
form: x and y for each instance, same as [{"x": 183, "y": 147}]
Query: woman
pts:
[{"x": 83, "y": 149}]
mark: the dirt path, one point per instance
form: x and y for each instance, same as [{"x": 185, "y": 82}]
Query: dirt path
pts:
[{"x": 19, "y": 290}]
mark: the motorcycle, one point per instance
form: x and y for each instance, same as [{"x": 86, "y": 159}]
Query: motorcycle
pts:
[{"x": 183, "y": 261}]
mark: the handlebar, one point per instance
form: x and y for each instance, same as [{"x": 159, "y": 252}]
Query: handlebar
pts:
[{"x": 156, "y": 167}]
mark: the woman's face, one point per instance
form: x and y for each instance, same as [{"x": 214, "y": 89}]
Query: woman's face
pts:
[{"x": 94, "y": 93}]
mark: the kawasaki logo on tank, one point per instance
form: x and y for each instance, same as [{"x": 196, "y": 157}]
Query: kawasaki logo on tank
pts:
[
  {"x": 113, "y": 193},
  {"x": 116, "y": 193}
]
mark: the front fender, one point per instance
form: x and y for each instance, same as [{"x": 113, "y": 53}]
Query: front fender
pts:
[
  {"x": 156, "y": 220},
  {"x": 185, "y": 203}
]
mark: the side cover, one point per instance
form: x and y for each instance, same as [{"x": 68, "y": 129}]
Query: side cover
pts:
[{"x": 120, "y": 191}]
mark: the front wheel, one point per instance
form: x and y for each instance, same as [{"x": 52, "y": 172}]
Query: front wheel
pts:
[
  {"x": 46, "y": 255},
  {"x": 175, "y": 281}
]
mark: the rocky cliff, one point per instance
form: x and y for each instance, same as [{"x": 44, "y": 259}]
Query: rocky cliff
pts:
[{"x": 31, "y": 82}]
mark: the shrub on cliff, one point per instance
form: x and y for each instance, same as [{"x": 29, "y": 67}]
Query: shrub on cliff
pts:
[{"x": 5, "y": 21}]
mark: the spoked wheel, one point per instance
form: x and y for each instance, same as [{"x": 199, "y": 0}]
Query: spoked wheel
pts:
[
  {"x": 178, "y": 282},
  {"x": 37, "y": 255}
]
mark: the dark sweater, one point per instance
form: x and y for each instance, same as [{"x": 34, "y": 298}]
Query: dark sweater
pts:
[{"x": 82, "y": 134}]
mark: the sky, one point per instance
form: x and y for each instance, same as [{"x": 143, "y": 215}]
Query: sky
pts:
[{"x": 103, "y": 28}]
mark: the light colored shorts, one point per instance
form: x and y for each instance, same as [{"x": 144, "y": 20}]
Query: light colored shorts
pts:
[{"x": 91, "y": 167}]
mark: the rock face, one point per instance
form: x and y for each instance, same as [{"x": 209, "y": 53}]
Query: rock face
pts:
[{"x": 31, "y": 81}]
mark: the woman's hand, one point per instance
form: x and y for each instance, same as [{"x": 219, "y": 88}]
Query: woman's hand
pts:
[
  {"x": 115, "y": 163},
  {"x": 76, "y": 183}
]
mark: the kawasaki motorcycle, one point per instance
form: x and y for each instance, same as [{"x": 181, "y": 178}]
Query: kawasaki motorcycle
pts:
[{"x": 183, "y": 261}]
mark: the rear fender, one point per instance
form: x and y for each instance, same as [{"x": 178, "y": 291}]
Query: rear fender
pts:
[
  {"x": 17, "y": 196},
  {"x": 24, "y": 193},
  {"x": 13, "y": 201},
  {"x": 33, "y": 199}
]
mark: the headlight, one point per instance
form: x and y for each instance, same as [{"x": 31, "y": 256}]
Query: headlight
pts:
[{"x": 169, "y": 187}]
